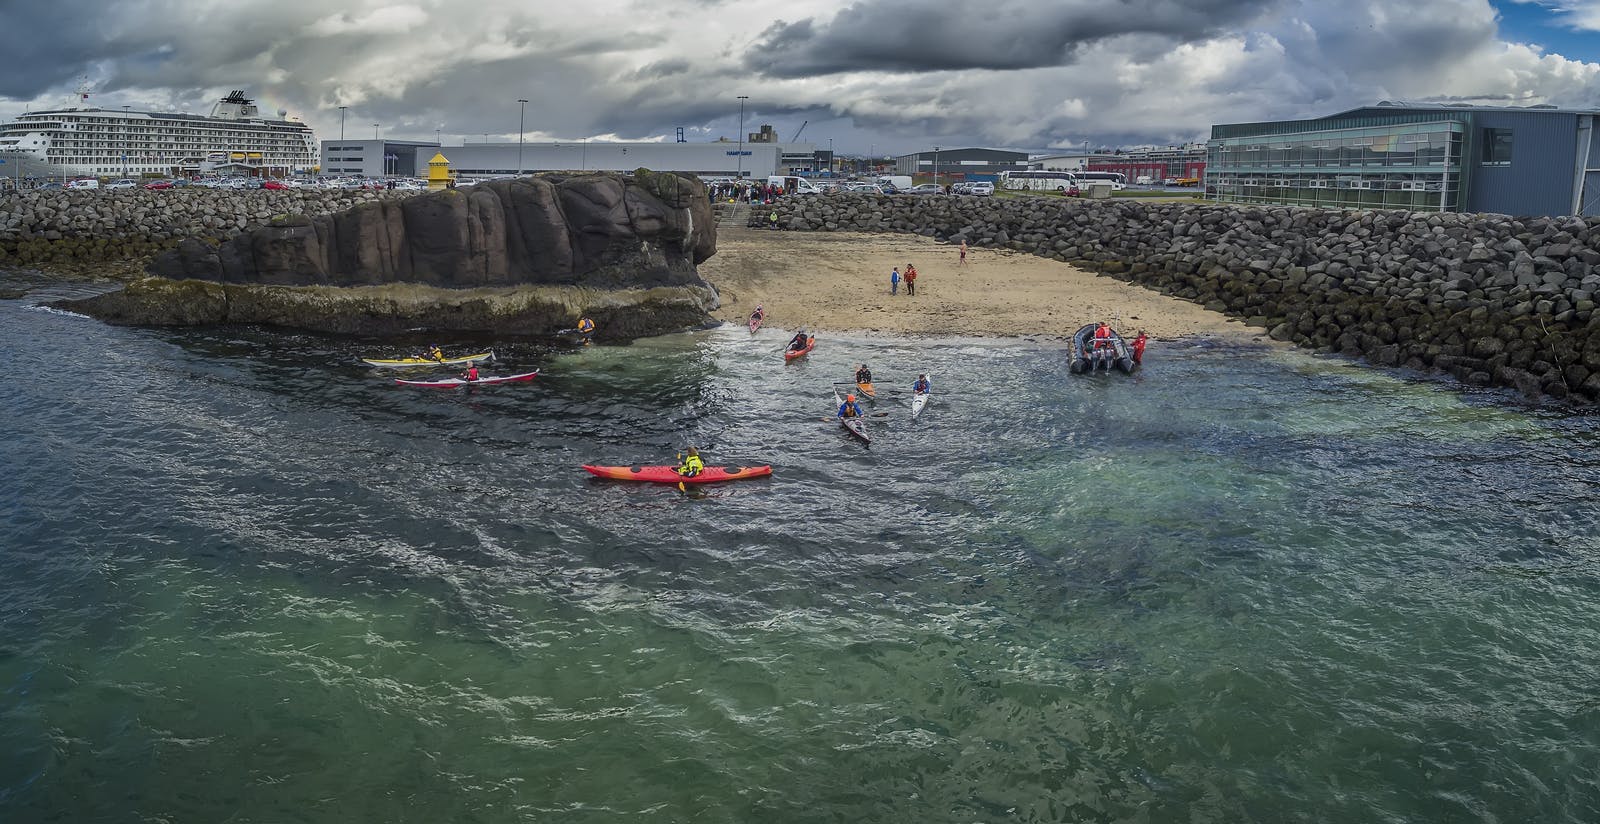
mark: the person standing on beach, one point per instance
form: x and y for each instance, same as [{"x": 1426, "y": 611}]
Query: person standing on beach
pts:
[
  {"x": 963, "y": 253},
  {"x": 894, "y": 281},
  {"x": 911, "y": 280}
]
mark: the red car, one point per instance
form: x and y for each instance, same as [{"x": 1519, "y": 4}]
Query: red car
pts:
[
  {"x": 158, "y": 184},
  {"x": 274, "y": 184}
]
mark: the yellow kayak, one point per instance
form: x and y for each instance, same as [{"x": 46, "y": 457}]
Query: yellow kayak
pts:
[{"x": 461, "y": 361}]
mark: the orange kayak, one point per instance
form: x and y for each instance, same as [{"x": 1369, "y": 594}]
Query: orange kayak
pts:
[{"x": 811, "y": 343}]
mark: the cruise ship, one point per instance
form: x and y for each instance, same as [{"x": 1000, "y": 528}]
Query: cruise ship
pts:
[{"x": 85, "y": 141}]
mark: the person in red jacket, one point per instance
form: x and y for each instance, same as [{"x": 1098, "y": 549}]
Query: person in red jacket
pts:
[
  {"x": 911, "y": 280},
  {"x": 1138, "y": 347},
  {"x": 471, "y": 374}
]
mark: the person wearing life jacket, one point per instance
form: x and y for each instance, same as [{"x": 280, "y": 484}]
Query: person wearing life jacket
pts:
[
  {"x": 692, "y": 465},
  {"x": 1102, "y": 335},
  {"x": 849, "y": 409},
  {"x": 435, "y": 353},
  {"x": 772, "y": 219},
  {"x": 585, "y": 325},
  {"x": 799, "y": 342},
  {"x": 1138, "y": 347},
  {"x": 863, "y": 375},
  {"x": 471, "y": 374},
  {"x": 921, "y": 386}
]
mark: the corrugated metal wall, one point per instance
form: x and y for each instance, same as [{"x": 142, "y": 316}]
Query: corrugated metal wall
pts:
[{"x": 1539, "y": 179}]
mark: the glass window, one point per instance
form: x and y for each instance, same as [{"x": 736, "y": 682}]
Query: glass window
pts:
[{"x": 1497, "y": 147}]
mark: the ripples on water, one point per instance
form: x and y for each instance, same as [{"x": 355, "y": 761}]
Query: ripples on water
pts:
[{"x": 245, "y": 578}]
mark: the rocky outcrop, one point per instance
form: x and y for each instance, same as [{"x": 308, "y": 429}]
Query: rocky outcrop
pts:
[
  {"x": 396, "y": 309},
  {"x": 98, "y": 226},
  {"x": 601, "y": 230},
  {"x": 1488, "y": 299}
]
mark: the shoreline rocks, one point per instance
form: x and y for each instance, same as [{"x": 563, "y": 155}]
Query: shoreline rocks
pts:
[
  {"x": 1489, "y": 299},
  {"x": 399, "y": 308}
]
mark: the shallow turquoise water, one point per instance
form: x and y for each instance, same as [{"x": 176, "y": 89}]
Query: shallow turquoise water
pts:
[{"x": 243, "y": 578}]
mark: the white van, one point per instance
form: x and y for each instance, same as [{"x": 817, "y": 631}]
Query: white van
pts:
[
  {"x": 86, "y": 183},
  {"x": 901, "y": 182},
  {"x": 1143, "y": 180},
  {"x": 794, "y": 184}
]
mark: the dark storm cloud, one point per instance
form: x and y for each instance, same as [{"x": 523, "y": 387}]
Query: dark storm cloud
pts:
[{"x": 918, "y": 36}]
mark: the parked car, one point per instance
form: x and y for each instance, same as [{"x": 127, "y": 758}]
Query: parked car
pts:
[
  {"x": 47, "y": 187},
  {"x": 926, "y": 189},
  {"x": 981, "y": 188},
  {"x": 274, "y": 184},
  {"x": 124, "y": 183},
  {"x": 159, "y": 184},
  {"x": 85, "y": 183}
]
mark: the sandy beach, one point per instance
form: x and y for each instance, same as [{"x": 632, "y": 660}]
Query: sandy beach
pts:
[{"x": 839, "y": 282}]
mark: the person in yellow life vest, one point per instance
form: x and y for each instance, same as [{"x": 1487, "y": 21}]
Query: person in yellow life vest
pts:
[
  {"x": 692, "y": 465},
  {"x": 435, "y": 353},
  {"x": 849, "y": 409},
  {"x": 585, "y": 326}
]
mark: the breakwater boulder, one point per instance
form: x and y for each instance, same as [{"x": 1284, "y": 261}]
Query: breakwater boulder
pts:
[
  {"x": 108, "y": 225},
  {"x": 601, "y": 230},
  {"x": 1489, "y": 299}
]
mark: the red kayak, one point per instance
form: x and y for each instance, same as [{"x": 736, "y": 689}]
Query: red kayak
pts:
[
  {"x": 669, "y": 474},
  {"x": 811, "y": 343},
  {"x": 451, "y": 383},
  {"x": 756, "y": 319}
]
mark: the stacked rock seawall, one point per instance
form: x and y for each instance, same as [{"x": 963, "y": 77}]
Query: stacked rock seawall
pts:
[
  {"x": 1489, "y": 299},
  {"x": 101, "y": 225}
]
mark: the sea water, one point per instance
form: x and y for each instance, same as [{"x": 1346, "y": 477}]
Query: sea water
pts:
[{"x": 245, "y": 578}]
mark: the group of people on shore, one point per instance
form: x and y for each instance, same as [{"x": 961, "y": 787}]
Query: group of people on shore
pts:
[{"x": 910, "y": 278}]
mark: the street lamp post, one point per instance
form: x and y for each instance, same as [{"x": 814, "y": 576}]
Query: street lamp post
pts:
[
  {"x": 341, "y": 122},
  {"x": 742, "y": 99},
  {"x": 936, "y": 165},
  {"x": 521, "y": 120},
  {"x": 830, "y": 155}
]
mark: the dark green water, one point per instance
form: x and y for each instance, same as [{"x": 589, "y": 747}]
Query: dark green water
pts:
[{"x": 244, "y": 579}]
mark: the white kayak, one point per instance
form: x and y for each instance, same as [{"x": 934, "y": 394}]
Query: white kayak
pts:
[
  {"x": 920, "y": 399},
  {"x": 487, "y": 380}
]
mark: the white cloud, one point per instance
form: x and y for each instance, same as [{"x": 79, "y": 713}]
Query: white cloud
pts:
[{"x": 638, "y": 70}]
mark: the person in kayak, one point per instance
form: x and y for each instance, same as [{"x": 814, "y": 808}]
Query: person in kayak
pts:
[
  {"x": 692, "y": 465},
  {"x": 921, "y": 386},
  {"x": 799, "y": 342},
  {"x": 849, "y": 409},
  {"x": 471, "y": 374},
  {"x": 863, "y": 375},
  {"x": 435, "y": 353},
  {"x": 585, "y": 326}
]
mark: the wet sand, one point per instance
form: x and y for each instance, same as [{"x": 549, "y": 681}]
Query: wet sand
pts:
[{"x": 839, "y": 282}]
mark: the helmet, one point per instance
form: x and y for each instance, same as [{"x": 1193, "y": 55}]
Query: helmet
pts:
[{"x": 849, "y": 397}]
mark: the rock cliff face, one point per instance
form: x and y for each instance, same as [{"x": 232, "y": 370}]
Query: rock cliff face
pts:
[{"x": 600, "y": 230}]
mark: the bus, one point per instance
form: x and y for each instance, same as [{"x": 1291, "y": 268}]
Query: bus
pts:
[
  {"x": 1036, "y": 180},
  {"x": 1118, "y": 180}
]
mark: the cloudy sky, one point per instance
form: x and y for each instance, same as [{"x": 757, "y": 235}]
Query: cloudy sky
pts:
[{"x": 888, "y": 76}]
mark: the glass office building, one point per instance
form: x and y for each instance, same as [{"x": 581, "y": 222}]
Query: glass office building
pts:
[
  {"x": 1414, "y": 167},
  {"x": 1538, "y": 160}
]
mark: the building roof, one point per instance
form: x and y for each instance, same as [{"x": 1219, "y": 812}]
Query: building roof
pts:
[{"x": 1384, "y": 113}]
